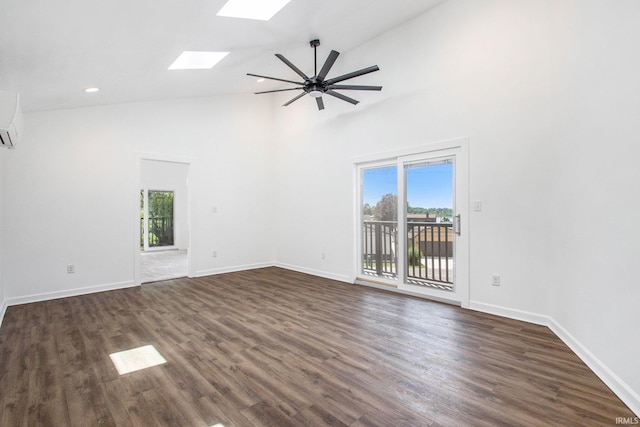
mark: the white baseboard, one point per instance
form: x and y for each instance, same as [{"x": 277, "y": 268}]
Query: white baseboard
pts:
[
  {"x": 630, "y": 397},
  {"x": 614, "y": 382},
  {"x": 68, "y": 293},
  {"x": 525, "y": 316},
  {"x": 313, "y": 272},
  {"x": 214, "y": 271},
  {"x": 3, "y": 310}
]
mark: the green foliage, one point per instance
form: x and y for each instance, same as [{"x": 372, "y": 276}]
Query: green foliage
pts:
[
  {"x": 414, "y": 256},
  {"x": 387, "y": 208},
  {"x": 160, "y": 203},
  {"x": 444, "y": 213}
]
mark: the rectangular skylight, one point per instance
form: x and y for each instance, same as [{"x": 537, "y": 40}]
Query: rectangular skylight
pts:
[
  {"x": 197, "y": 60},
  {"x": 252, "y": 9}
]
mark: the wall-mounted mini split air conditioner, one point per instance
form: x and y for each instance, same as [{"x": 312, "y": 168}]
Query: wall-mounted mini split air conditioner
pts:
[{"x": 10, "y": 118}]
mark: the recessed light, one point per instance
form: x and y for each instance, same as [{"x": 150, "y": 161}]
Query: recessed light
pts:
[
  {"x": 92, "y": 89},
  {"x": 262, "y": 10},
  {"x": 197, "y": 60}
]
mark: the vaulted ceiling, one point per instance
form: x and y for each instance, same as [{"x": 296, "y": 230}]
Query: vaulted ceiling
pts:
[{"x": 50, "y": 51}]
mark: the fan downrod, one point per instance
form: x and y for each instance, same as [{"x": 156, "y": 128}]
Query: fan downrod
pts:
[{"x": 314, "y": 44}]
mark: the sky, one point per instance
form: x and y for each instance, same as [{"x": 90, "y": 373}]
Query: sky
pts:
[{"x": 428, "y": 186}]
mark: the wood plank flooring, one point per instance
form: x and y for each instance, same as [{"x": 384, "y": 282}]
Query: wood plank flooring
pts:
[{"x": 272, "y": 347}]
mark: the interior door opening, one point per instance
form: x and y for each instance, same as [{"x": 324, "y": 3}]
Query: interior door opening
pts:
[{"x": 164, "y": 235}]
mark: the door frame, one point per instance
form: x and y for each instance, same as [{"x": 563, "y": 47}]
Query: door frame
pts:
[
  {"x": 455, "y": 147},
  {"x": 190, "y": 162}
]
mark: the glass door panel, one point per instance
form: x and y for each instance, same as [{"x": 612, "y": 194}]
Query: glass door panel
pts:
[
  {"x": 429, "y": 194},
  {"x": 379, "y": 222},
  {"x": 160, "y": 218}
]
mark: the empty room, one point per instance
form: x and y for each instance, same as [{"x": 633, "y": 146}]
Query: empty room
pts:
[{"x": 348, "y": 213}]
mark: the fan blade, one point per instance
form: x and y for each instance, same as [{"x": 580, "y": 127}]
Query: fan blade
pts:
[
  {"x": 331, "y": 59},
  {"x": 341, "y": 96},
  {"x": 295, "y": 99},
  {"x": 279, "y": 90},
  {"x": 352, "y": 75},
  {"x": 320, "y": 103},
  {"x": 293, "y": 67},
  {"x": 274, "y": 78},
  {"x": 354, "y": 87}
]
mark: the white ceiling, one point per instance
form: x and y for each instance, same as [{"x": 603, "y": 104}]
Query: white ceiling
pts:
[{"x": 50, "y": 51}]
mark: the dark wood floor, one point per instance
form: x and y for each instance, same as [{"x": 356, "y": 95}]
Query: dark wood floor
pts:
[{"x": 275, "y": 347}]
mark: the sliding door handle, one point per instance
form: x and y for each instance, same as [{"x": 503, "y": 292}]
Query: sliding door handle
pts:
[{"x": 456, "y": 224}]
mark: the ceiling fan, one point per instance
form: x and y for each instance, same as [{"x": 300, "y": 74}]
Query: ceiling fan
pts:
[{"x": 316, "y": 86}]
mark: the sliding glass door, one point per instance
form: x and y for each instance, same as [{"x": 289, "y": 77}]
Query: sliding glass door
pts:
[{"x": 411, "y": 215}]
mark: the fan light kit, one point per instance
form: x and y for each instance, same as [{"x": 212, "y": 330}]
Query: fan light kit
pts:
[{"x": 316, "y": 86}]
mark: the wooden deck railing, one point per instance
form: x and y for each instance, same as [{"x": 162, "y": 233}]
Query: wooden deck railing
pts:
[{"x": 429, "y": 256}]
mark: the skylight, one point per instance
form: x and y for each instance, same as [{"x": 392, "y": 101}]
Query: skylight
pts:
[
  {"x": 252, "y": 9},
  {"x": 197, "y": 60}
]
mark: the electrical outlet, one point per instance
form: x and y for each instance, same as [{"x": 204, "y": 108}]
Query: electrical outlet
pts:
[
  {"x": 495, "y": 280},
  {"x": 477, "y": 206},
  {"x": 71, "y": 268},
  {"x": 214, "y": 254}
]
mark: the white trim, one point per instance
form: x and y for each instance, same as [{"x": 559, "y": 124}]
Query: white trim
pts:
[
  {"x": 68, "y": 293},
  {"x": 364, "y": 282},
  {"x": 614, "y": 382},
  {"x": 525, "y": 316},
  {"x": 191, "y": 218},
  {"x": 3, "y": 310},
  {"x": 162, "y": 248},
  {"x": 621, "y": 389},
  {"x": 324, "y": 274},
  {"x": 232, "y": 269},
  {"x": 410, "y": 151}
]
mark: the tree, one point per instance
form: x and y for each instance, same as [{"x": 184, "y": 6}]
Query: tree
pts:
[
  {"x": 367, "y": 209},
  {"x": 387, "y": 208}
]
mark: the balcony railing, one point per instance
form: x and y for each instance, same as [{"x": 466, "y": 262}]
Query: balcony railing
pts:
[
  {"x": 160, "y": 231},
  {"x": 379, "y": 247},
  {"x": 429, "y": 255}
]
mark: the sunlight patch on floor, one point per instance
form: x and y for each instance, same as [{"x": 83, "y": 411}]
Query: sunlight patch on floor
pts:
[{"x": 136, "y": 359}]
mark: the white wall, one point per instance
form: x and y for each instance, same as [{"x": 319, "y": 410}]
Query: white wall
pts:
[
  {"x": 475, "y": 69},
  {"x": 551, "y": 111},
  {"x": 170, "y": 176},
  {"x": 74, "y": 197},
  {"x": 596, "y": 95}
]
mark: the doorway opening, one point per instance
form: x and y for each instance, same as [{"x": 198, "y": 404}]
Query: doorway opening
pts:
[{"x": 164, "y": 236}]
